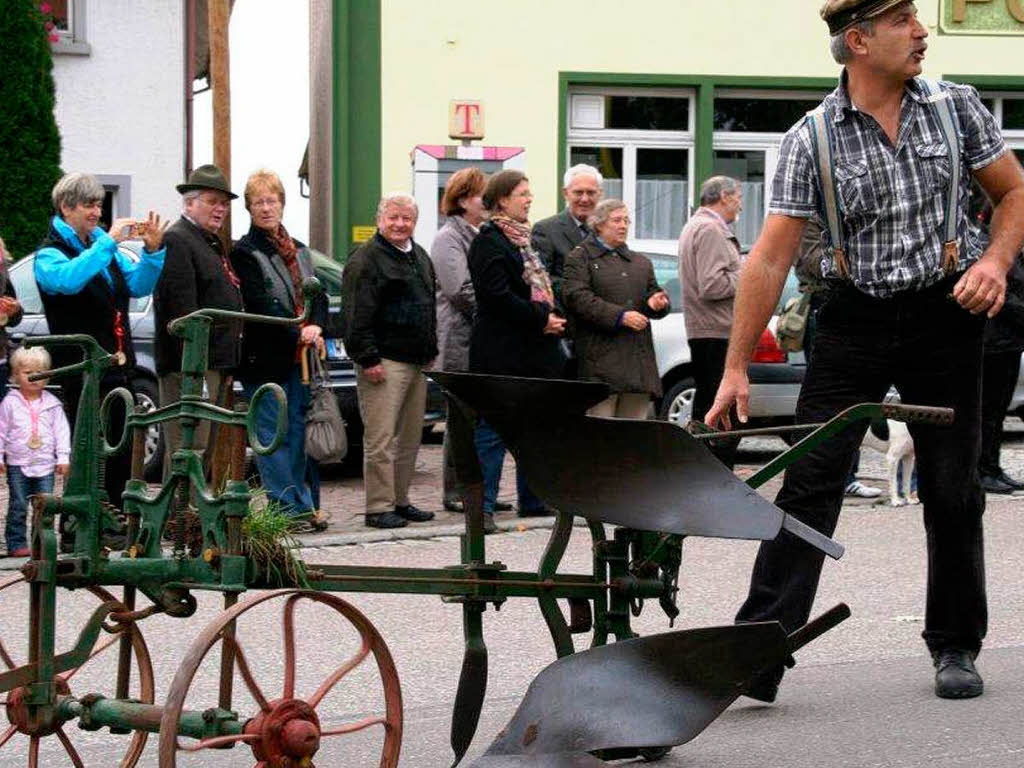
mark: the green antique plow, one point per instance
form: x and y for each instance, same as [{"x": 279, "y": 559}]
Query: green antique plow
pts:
[{"x": 651, "y": 481}]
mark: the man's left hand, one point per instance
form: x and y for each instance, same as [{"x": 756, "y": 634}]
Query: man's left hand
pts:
[
  {"x": 658, "y": 301},
  {"x": 982, "y": 287},
  {"x": 310, "y": 334}
]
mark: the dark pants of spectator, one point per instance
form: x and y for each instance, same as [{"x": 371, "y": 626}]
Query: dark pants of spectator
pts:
[
  {"x": 707, "y": 361},
  {"x": 313, "y": 481},
  {"x": 491, "y": 451},
  {"x": 284, "y": 472},
  {"x": 930, "y": 348},
  {"x": 998, "y": 380},
  {"x": 19, "y": 488},
  {"x": 118, "y": 467}
]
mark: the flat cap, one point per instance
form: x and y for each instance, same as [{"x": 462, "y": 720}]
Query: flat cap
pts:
[{"x": 840, "y": 14}]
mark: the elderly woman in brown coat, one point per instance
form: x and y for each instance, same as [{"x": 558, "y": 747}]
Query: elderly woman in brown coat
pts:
[{"x": 612, "y": 296}]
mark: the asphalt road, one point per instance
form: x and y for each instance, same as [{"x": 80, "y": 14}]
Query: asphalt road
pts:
[{"x": 860, "y": 696}]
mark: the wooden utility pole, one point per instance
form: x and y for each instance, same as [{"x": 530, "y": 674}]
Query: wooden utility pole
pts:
[{"x": 218, "y": 14}]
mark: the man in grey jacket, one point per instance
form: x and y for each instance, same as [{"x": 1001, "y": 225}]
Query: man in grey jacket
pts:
[{"x": 709, "y": 268}]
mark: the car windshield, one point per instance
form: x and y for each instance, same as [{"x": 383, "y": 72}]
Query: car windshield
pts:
[{"x": 666, "y": 272}]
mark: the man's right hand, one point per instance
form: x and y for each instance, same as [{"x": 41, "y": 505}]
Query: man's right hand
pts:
[
  {"x": 734, "y": 390},
  {"x": 634, "y": 320},
  {"x": 375, "y": 373}
]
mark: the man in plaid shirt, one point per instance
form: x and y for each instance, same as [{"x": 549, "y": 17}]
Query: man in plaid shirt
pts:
[{"x": 902, "y": 309}]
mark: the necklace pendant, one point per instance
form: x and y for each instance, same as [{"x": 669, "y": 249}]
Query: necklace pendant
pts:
[{"x": 35, "y": 442}]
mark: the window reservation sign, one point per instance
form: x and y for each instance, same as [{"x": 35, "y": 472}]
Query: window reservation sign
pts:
[{"x": 981, "y": 17}]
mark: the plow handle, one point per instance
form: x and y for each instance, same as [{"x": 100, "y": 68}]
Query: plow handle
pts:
[
  {"x": 924, "y": 414},
  {"x": 814, "y": 629}
]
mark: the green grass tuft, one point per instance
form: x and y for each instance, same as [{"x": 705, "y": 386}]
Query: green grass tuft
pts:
[{"x": 268, "y": 538}]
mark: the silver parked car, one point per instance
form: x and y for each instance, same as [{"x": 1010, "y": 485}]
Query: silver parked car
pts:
[{"x": 775, "y": 376}]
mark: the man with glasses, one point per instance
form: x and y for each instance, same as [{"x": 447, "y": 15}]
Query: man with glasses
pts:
[
  {"x": 197, "y": 275},
  {"x": 554, "y": 238}
]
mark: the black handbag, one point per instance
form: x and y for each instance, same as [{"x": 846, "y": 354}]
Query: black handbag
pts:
[{"x": 326, "y": 439}]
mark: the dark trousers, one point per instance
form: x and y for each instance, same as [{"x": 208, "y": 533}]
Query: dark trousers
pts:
[
  {"x": 20, "y": 487},
  {"x": 707, "y": 361},
  {"x": 998, "y": 380},
  {"x": 490, "y": 450},
  {"x": 930, "y": 349}
]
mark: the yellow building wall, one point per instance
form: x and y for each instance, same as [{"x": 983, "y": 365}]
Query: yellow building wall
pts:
[{"x": 509, "y": 55}]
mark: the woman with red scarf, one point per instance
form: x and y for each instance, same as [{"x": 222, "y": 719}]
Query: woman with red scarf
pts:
[{"x": 271, "y": 266}]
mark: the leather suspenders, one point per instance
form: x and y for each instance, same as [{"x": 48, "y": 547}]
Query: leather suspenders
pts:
[{"x": 823, "y": 154}]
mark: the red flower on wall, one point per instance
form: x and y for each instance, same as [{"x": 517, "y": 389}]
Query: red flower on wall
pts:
[{"x": 48, "y": 22}]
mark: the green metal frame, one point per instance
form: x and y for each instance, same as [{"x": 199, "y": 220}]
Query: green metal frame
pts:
[{"x": 627, "y": 569}]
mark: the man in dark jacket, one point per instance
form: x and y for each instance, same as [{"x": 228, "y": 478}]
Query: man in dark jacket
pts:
[
  {"x": 197, "y": 275},
  {"x": 387, "y": 293},
  {"x": 1004, "y": 342},
  {"x": 554, "y": 238}
]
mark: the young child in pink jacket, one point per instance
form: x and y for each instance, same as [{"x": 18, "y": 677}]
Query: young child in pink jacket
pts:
[{"x": 35, "y": 440}]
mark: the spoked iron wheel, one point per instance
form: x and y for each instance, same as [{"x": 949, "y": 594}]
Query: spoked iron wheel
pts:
[
  {"x": 286, "y": 730},
  {"x": 17, "y": 712}
]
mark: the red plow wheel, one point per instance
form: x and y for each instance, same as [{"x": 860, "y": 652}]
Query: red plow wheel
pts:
[
  {"x": 286, "y": 731},
  {"x": 19, "y": 722}
]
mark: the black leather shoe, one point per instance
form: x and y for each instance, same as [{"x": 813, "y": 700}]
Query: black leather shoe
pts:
[
  {"x": 414, "y": 514},
  {"x": 489, "y": 526},
  {"x": 544, "y": 511},
  {"x": 453, "y": 506},
  {"x": 764, "y": 686},
  {"x": 991, "y": 484},
  {"x": 502, "y": 506},
  {"x": 956, "y": 676},
  {"x": 385, "y": 520},
  {"x": 1017, "y": 485}
]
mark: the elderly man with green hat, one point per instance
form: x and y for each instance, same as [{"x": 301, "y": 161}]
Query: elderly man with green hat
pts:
[
  {"x": 886, "y": 162},
  {"x": 197, "y": 275}
]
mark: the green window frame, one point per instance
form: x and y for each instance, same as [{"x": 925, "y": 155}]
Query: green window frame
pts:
[{"x": 705, "y": 87}]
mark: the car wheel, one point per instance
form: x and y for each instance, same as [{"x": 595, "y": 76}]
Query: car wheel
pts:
[
  {"x": 677, "y": 404},
  {"x": 146, "y": 395}
]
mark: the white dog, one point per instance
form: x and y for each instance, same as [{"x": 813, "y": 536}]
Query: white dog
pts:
[{"x": 898, "y": 448}]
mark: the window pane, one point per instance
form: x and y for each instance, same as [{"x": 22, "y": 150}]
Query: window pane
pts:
[
  {"x": 747, "y": 167},
  {"x": 662, "y": 202},
  {"x": 760, "y": 115},
  {"x": 608, "y": 160},
  {"x": 651, "y": 113},
  {"x": 1013, "y": 114}
]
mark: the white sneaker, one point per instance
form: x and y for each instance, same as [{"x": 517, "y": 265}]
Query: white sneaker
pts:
[{"x": 857, "y": 488}]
